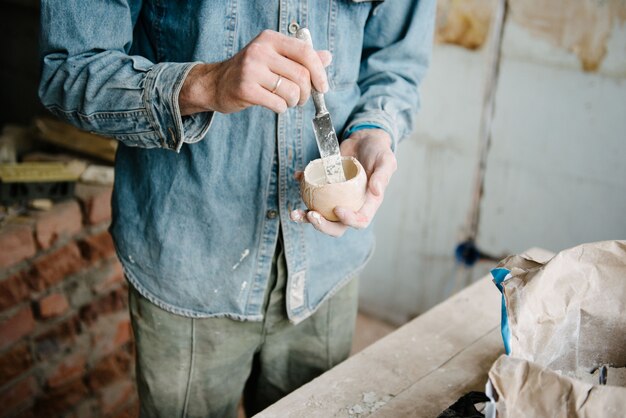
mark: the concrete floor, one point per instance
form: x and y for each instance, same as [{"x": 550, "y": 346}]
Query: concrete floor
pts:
[{"x": 368, "y": 330}]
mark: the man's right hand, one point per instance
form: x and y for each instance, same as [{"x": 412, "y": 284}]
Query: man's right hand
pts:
[{"x": 250, "y": 77}]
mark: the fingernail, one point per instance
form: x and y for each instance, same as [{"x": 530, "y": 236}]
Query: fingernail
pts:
[
  {"x": 296, "y": 216},
  {"x": 340, "y": 212},
  {"x": 317, "y": 217}
]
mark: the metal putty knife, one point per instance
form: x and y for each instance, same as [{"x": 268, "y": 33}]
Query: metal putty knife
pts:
[{"x": 325, "y": 135}]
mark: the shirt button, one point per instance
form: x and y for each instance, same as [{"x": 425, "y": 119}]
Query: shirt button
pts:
[
  {"x": 271, "y": 214},
  {"x": 293, "y": 28}
]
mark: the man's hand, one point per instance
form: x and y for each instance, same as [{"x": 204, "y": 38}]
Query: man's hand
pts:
[
  {"x": 251, "y": 77},
  {"x": 372, "y": 147}
]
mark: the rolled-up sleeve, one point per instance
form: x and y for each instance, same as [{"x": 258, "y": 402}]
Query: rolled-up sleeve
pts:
[
  {"x": 396, "y": 53},
  {"x": 89, "y": 79}
]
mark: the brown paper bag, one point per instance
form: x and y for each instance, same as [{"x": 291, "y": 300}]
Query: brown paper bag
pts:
[
  {"x": 566, "y": 318},
  {"x": 527, "y": 390},
  {"x": 569, "y": 314}
]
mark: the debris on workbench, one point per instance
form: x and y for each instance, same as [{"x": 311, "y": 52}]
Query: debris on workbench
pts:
[
  {"x": 564, "y": 326},
  {"x": 370, "y": 402}
]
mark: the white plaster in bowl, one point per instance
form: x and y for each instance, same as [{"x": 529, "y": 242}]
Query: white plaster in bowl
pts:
[{"x": 324, "y": 197}]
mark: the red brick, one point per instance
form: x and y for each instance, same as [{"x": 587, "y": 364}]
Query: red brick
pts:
[
  {"x": 124, "y": 333},
  {"x": 52, "y": 268},
  {"x": 18, "y": 395},
  {"x": 17, "y": 243},
  {"x": 29, "y": 413},
  {"x": 114, "y": 276},
  {"x": 68, "y": 369},
  {"x": 115, "y": 396},
  {"x": 87, "y": 408},
  {"x": 113, "y": 367},
  {"x": 57, "y": 337},
  {"x": 131, "y": 411},
  {"x": 63, "y": 220},
  {"x": 58, "y": 400},
  {"x": 109, "y": 333},
  {"x": 97, "y": 247},
  {"x": 13, "y": 290},
  {"x": 15, "y": 362},
  {"x": 96, "y": 202},
  {"x": 114, "y": 301},
  {"x": 52, "y": 305},
  {"x": 17, "y": 326}
]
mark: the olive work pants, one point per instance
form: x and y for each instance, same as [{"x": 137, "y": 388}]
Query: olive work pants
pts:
[{"x": 188, "y": 367}]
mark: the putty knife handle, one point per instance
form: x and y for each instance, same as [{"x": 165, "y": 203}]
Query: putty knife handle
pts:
[{"x": 318, "y": 98}]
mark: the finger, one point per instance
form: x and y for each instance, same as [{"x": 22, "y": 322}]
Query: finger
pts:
[
  {"x": 364, "y": 216},
  {"x": 334, "y": 229},
  {"x": 299, "y": 216},
  {"x": 286, "y": 89},
  {"x": 295, "y": 72},
  {"x": 257, "y": 95},
  {"x": 326, "y": 57},
  {"x": 383, "y": 170},
  {"x": 352, "y": 219},
  {"x": 301, "y": 52},
  {"x": 369, "y": 208}
]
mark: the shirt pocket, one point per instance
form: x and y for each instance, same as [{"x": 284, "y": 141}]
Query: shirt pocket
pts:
[
  {"x": 195, "y": 30},
  {"x": 345, "y": 39}
]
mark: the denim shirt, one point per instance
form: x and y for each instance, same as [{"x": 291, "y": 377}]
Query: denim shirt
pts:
[{"x": 199, "y": 200}]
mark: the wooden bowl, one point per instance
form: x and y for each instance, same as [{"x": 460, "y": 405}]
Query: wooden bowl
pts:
[{"x": 323, "y": 197}]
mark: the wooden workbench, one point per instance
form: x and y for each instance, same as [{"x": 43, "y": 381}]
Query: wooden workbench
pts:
[{"x": 418, "y": 370}]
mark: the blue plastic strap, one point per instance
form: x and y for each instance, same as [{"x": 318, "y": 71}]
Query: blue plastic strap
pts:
[
  {"x": 499, "y": 276},
  {"x": 360, "y": 126}
]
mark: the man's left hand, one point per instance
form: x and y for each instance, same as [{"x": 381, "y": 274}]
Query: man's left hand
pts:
[{"x": 372, "y": 147}]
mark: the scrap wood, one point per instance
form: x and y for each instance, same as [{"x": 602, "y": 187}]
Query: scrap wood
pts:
[{"x": 66, "y": 136}]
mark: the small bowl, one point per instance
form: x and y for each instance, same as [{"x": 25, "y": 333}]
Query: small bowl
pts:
[{"x": 324, "y": 197}]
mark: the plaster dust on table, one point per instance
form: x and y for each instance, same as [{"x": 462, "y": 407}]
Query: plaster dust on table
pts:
[{"x": 370, "y": 402}]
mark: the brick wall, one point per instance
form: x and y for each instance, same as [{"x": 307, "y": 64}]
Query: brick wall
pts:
[{"x": 66, "y": 347}]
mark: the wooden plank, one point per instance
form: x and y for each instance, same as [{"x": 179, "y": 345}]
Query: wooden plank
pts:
[
  {"x": 37, "y": 172},
  {"x": 66, "y": 136},
  {"x": 392, "y": 365},
  {"x": 466, "y": 372},
  {"x": 418, "y": 370}
]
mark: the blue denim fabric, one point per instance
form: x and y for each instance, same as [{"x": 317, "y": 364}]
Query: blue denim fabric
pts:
[{"x": 193, "y": 227}]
